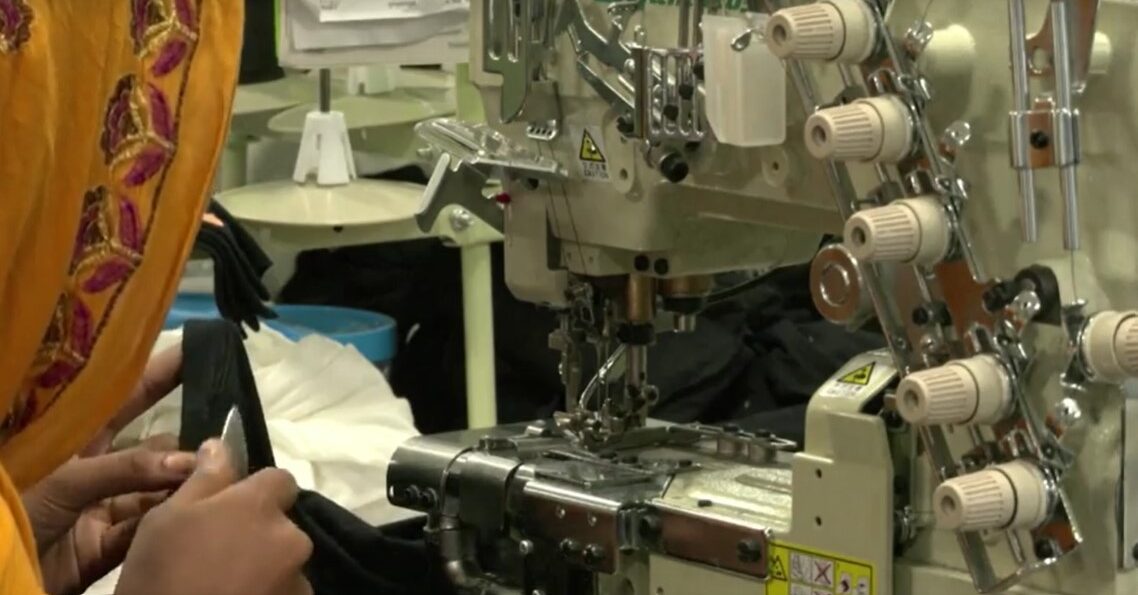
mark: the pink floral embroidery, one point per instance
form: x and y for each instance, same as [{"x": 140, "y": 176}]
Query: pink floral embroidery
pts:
[
  {"x": 121, "y": 124},
  {"x": 107, "y": 250},
  {"x": 138, "y": 125},
  {"x": 163, "y": 27},
  {"x": 72, "y": 320},
  {"x": 15, "y": 24},
  {"x": 161, "y": 121},
  {"x": 147, "y": 165},
  {"x": 170, "y": 58}
]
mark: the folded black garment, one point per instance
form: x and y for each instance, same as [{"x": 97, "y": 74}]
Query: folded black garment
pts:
[
  {"x": 239, "y": 264},
  {"x": 349, "y": 556},
  {"x": 249, "y": 247}
]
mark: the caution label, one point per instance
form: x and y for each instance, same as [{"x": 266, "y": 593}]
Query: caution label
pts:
[
  {"x": 803, "y": 571},
  {"x": 591, "y": 155},
  {"x": 857, "y": 382},
  {"x": 860, "y": 376}
]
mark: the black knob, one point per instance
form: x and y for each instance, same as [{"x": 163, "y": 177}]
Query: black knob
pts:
[
  {"x": 697, "y": 70},
  {"x": 686, "y": 90},
  {"x": 428, "y": 499},
  {"x": 750, "y": 551},
  {"x": 1044, "y": 549},
  {"x": 649, "y": 526},
  {"x": 1043, "y": 282},
  {"x": 594, "y": 554},
  {"x": 998, "y": 296},
  {"x": 931, "y": 313},
  {"x": 671, "y": 112},
  {"x": 624, "y": 125},
  {"x": 570, "y": 547},
  {"x": 674, "y": 168}
]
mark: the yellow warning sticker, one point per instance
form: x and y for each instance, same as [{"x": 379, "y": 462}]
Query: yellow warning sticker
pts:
[
  {"x": 797, "y": 570},
  {"x": 860, "y": 376},
  {"x": 589, "y": 149},
  {"x": 591, "y": 155}
]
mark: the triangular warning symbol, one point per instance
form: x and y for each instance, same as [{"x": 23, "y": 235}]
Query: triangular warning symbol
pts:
[
  {"x": 589, "y": 149},
  {"x": 777, "y": 571},
  {"x": 859, "y": 376}
]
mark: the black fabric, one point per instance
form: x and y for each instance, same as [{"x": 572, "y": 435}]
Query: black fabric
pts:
[
  {"x": 259, "y": 52},
  {"x": 238, "y": 265},
  {"x": 349, "y": 556}
]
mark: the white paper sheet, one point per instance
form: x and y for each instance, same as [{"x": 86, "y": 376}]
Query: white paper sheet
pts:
[{"x": 327, "y": 33}]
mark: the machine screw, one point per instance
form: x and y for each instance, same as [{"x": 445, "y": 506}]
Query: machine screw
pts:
[
  {"x": 661, "y": 266},
  {"x": 649, "y": 526},
  {"x": 642, "y": 262},
  {"x": 750, "y": 551},
  {"x": 461, "y": 219},
  {"x": 570, "y": 547},
  {"x": 674, "y": 168},
  {"x": 624, "y": 125},
  {"x": 1044, "y": 549},
  {"x": 428, "y": 499},
  {"x": 1039, "y": 139},
  {"x": 525, "y": 547},
  {"x": 594, "y": 554},
  {"x": 410, "y": 495}
]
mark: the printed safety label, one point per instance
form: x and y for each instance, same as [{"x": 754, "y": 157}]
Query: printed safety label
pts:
[{"x": 802, "y": 571}]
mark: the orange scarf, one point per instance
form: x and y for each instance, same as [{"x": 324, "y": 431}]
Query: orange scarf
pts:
[{"x": 112, "y": 116}]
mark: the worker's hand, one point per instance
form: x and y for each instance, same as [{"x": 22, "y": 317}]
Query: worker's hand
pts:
[
  {"x": 84, "y": 515},
  {"x": 219, "y": 536}
]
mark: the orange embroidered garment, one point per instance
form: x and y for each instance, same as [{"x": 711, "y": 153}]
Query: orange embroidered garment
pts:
[{"x": 112, "y": 116}]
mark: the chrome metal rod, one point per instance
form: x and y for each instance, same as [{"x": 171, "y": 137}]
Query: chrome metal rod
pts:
[
  {"x": 1020, "y": 134},
  {"x": 1066, "y": 122}
]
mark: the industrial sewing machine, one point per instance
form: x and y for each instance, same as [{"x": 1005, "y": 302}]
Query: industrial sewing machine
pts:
[{"x": 983, "y": 198}]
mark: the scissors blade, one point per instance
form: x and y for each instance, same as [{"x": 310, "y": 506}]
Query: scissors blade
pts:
[{"x": 233, "y": 435}]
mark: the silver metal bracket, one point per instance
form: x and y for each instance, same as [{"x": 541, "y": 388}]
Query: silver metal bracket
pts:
[
  {"x": 669, "y": 105},
  {"x": 469, "y": 156},
  {"x": 516, "y": 37}
]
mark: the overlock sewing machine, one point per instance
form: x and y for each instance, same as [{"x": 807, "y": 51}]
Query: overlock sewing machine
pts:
[{"x": 976, "y": 158}]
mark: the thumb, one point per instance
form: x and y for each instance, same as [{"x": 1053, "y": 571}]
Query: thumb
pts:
[{"x": 214, "y": 473}]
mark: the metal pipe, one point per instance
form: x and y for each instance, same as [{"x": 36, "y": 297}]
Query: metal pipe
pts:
[
  {"x": 1020, "y": 134},
  {"x": 1066, "y": 122},
  {"x": 325, "y": 90}
]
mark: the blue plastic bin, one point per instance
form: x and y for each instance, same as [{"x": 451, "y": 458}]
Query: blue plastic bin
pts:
[{"x": 372, "y": 334}]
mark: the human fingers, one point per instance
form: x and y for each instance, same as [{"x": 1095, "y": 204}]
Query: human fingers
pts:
[
  {"x": 83, "y": 482},
  {"x": 124, "y": 508},
  {"x": 114, "y": 543},
  {"x": 275, "y": 486},
  {"x": 214, "y": 473}
]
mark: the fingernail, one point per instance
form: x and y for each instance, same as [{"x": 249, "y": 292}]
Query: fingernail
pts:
[
  {"x": 209, "y": 449},
  {"x": 180, "y": 462}
]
